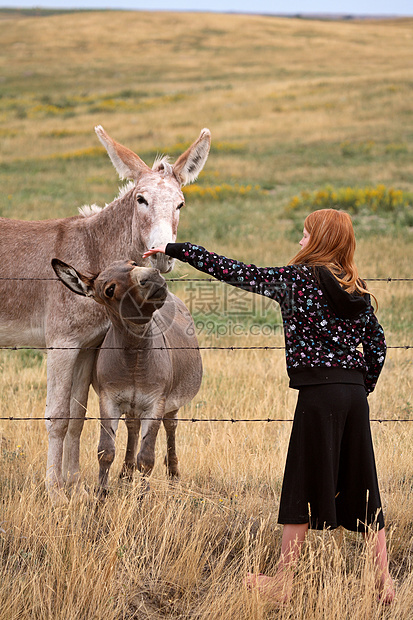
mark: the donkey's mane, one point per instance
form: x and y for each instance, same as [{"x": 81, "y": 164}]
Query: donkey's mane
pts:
[
  {"x": 162, "y": 163},
  {"x": 88, "y": 210}
]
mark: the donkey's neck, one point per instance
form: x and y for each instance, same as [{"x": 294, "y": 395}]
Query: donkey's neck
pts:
[
  {"x": 112, "y": 235},
  {"x": 134, "y": 338}
]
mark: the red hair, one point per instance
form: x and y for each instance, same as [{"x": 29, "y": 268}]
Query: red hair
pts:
[{"x": 332, "y": 243}]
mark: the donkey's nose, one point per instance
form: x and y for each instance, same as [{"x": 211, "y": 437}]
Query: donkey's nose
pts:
[
  {"x": 145, "y": 276},
  {"x": 150, "y": 277}
]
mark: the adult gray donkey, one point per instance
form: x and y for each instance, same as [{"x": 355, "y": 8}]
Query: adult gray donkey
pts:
[{"x": 40, "y": 312}]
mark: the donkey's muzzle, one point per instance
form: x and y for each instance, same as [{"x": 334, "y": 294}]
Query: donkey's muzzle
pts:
[{"x": 157, "y": 293}]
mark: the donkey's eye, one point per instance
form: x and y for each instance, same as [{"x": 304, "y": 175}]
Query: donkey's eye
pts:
[
  {"x": 142, "y": 200},
  {"x": 182, "y": 204},
  {"x": 109, "y": 292}
]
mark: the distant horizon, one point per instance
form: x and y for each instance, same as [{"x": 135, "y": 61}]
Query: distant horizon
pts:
[
  {"x": 299, "y": 14},
  {"x": 309, "y": 8}
]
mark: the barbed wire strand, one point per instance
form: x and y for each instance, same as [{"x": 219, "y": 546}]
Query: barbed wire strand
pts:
[
  {"x": 184, "y": 279},
  {"x": 192, "y": 420},
  {"x": 214, "y": 348}
]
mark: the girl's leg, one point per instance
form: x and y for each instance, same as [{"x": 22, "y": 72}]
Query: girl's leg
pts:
[
  {"x": 384, "y": 581},
  {"x": 277, "y": 589},
  {"x": 291, "y": 543}
]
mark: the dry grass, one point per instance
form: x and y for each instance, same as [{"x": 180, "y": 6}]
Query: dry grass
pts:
[
  {"x": 183, "y": 549},
  {"x": 281, "y": 97}
]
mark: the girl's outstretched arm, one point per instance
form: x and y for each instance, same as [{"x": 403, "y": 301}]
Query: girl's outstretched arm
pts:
[{"x": 271, "y": 282}]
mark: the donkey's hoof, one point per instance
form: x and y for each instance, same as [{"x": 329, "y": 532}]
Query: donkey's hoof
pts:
[
  {"x": 127, "y": 471},
  {"x": 57, "y": 497},
  {"x": 78, "y": 494},
  {"x": 173, "y": 477},
  {"x": 143, "y": 489},
  {"x": 172, "y": 469}
]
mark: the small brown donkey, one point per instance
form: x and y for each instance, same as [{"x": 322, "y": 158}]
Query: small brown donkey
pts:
[{"x": 148, "y": 366}]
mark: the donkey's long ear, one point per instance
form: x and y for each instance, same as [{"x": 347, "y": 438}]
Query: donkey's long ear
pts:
[
  {"x": 78, "y": 283},
  {"x": 189, "y": 164},
  {"x": 127, "y": 163}
]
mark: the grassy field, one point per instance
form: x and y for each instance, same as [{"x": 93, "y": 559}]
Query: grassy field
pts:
[{"x": 293, "y": 106}]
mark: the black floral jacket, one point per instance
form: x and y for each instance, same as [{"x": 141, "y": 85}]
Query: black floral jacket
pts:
[{"x": 324, "y": 326}]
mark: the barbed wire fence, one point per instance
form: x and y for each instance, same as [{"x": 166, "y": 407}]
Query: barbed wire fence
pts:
[{"x": 184, "y": 280}]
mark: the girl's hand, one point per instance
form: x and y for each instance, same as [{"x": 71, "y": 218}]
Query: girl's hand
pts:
[{"x": 148, "y": 253}]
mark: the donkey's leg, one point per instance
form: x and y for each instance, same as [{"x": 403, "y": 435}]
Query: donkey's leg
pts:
[
  {"x": 60, "y": 368},
  {"x": 171, "y": 460},
  {"x": 80, "y": 390},
  {"x": 133, "y": 425},
  {"x": 106, "y": 449},
  {"x": 151, "y": 421}
]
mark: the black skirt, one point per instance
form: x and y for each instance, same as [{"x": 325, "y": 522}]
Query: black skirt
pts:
[{"x": 330, "y": 476}]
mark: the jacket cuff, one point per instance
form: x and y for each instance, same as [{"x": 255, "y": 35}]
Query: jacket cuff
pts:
[{"x": 174, "y": 249}]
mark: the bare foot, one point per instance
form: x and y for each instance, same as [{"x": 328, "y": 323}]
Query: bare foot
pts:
[
  {"x": 386, "y": 591},
  {"x": 275, "y": 590}
]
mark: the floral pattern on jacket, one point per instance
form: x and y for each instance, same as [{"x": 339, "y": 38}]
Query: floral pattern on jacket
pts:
[{"x": 314, "y": 336}]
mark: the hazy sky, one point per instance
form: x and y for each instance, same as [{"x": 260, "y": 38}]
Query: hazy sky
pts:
[{"x": 354, "y": 7}]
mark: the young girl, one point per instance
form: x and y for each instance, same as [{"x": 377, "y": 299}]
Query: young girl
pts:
[{"x": 330, "y": 474}]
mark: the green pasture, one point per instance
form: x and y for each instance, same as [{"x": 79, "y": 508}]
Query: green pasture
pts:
[{"x": 293, "y": 105}]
